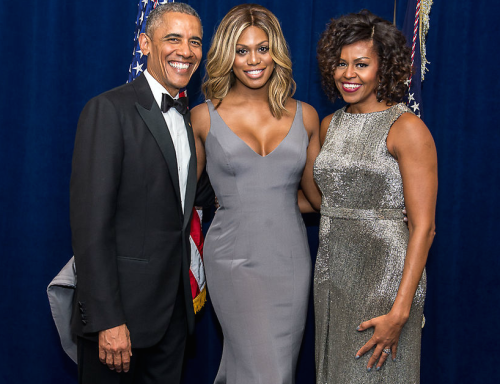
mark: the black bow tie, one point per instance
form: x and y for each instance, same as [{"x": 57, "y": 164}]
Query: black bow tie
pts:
[{"x": 181, "y": 104}]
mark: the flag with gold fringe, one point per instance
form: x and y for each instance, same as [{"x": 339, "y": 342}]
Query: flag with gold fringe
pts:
[
  {"x": 415, "y": 28},
  {"x": 138, "y": 65}
]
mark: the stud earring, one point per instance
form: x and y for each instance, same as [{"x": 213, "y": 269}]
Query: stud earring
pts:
[{"x": 379, "y": 93}]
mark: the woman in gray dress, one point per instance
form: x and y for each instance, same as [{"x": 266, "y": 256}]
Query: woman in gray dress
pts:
[
  {"x": 376, "y": 158},
  {"x": 259, "y": 144}
]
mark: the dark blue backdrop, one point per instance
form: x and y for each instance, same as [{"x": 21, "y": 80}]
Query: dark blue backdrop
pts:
[{"x": 58, "y": 54}]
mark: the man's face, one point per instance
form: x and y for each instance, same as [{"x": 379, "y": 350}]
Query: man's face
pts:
[{"x": 174, "y": 51}]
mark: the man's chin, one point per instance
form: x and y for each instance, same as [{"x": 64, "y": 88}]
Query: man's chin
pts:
[{"x": 179, "y": 85}]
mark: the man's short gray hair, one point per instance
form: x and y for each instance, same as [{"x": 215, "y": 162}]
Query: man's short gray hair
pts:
[{"x": 156, "y": 15}]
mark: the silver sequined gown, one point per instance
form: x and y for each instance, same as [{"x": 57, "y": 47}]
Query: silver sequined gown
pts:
[{"x": 362, "y": 248}]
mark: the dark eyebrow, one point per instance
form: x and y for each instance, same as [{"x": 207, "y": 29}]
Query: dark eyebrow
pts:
[
  {"x": 180, "y": 37},
  {"x": 171, "y": 35},
  {"x": 355, "y": 60},
  {"x": 262, "y": 42}
]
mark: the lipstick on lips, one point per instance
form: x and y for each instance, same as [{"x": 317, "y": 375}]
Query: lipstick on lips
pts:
[
  {"x": 350, "y": 87},
  {"x": 254, "y": 73}
]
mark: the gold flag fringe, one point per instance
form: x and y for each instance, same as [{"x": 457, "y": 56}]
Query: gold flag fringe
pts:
[
  {"x": 200, "y": 300},
  {"x": 425, "y": 10}
]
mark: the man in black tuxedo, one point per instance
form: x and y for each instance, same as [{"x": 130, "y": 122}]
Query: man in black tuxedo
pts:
[{"x": 133, "y": 186}]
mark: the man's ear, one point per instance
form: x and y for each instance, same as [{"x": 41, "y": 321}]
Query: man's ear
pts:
[{"x": 144, "y": 43}]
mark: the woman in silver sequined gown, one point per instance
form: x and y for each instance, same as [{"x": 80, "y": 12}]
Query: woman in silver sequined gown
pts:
[{"x": 376, "y": 158}]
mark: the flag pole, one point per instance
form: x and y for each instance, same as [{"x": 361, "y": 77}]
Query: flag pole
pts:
[{"x": 394, "y": 17}]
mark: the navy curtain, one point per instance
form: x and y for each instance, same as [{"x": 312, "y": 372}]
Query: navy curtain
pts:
[{"x": 56, "y": 55}]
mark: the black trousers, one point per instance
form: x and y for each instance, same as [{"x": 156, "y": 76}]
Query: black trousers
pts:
[{"x": 159, "y": 364}]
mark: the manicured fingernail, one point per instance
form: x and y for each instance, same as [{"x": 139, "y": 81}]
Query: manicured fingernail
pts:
[
  {"x": 394, "y": 359},
  {"x": 357, "y": 357},
  {"x": 369, "y": 369},
  {"x": 358, "y": 327},
  {"x": 378, "y": 368}
]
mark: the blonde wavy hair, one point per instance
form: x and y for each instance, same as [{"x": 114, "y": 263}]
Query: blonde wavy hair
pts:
[{"x": 220, "y": 58}]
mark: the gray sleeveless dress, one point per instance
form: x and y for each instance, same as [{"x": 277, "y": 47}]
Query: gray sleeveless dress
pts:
[
  {"x": 256, "y": 255},
  {"x": 362, "y": 249}
]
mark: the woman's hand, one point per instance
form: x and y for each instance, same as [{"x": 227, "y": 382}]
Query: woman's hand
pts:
[{"x": 387, "y": 329}]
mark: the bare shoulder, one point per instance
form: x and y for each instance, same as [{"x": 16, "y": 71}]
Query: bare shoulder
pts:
[
  {"x": 200, "y": 119},
  {"x": 410, "y": 127},
  {"x": 309, "y": 113},
  {"x": 409, "y": 132},
  {"x": 200, "y": 112},
  {"x": 325, "y": 123},
  {"x": 310, "y": 118}
]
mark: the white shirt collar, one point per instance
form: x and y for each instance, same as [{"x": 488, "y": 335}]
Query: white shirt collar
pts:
[
  {"x": 157, "y": 88},
  {"x": 177, "y": 128}
]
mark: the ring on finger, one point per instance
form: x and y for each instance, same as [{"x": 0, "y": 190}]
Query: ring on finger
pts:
[{"x": 387, "y": 350}]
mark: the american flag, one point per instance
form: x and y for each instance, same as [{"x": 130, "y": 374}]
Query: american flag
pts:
[
  {"x": 415, "y": 28},
  {"x": 138, "y": 65}
]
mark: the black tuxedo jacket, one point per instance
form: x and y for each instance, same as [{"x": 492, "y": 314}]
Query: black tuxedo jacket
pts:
[{"x": 129, "y": 234}]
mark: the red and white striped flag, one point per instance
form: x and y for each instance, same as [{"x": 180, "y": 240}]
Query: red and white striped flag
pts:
[{"x": 197, "y": 271}]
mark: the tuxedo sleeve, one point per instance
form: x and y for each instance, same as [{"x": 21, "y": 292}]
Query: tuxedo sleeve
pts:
[
  {"x": 205, "y": 196},
  {"x": 95, "y": 179}
]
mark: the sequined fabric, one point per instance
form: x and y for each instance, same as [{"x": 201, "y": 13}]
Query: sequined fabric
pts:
[{"x": 362, "y": 248}]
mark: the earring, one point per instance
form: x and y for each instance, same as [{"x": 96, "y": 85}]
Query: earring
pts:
[{"x": 379, "y": 94}]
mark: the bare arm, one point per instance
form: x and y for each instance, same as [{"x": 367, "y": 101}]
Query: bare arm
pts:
[
  {"x": 304, "y": 205},
  {"x": 411, "y": 143},
  {"x": 325, "y": 123},
  {"x": 413, "y": 147},
  {"x": 309, "y": 187},
  {"x": 200, "y": 120}
]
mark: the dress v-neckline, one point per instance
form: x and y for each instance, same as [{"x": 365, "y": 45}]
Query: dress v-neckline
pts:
[{"x": 248, "y": 146}]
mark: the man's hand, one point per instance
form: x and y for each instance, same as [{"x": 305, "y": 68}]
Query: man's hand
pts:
[{"x": 115, "y": 348}]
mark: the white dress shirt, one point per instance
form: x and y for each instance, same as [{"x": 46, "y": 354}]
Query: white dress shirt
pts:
[{"x": 178, "y": 133}]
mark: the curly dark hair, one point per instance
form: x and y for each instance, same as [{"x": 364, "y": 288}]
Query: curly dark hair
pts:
[{"x": 394, "y": 57}]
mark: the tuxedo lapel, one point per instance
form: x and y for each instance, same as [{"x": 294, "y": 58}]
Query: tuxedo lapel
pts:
[
  {"x": 191, "y": 179},
  {"x": 153, "y": 118}
]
